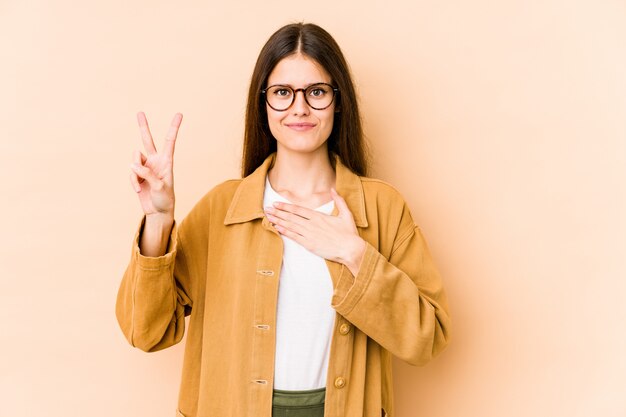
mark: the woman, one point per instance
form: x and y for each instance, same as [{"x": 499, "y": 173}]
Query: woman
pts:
[{"x": 302, "y": 278}]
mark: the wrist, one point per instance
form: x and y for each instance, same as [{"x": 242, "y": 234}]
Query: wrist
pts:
[
  {"x": 160, "y": 220},
  {"x": 354, "y": 255},
  {"x": 155, "y": 235}
]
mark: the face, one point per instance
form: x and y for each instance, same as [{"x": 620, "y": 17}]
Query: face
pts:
[{"x": 300, "y": 128}]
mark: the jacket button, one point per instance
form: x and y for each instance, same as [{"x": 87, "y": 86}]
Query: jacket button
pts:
[
  {"x": 340, "y": 382},
  {"x": 344, "y": 329}
]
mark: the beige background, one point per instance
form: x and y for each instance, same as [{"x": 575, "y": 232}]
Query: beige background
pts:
[{"x": 503, "y": 123}]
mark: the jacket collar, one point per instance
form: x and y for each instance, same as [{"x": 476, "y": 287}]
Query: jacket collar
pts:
[{"x": 247, "y": 203}]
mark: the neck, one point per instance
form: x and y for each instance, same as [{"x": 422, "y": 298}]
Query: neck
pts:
[{"x": 303, "y": 177}]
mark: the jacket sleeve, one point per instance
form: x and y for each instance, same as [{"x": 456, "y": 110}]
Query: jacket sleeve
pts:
[
  {"x": 153, "y": 300},
  {"x": 399, "y": 302}
]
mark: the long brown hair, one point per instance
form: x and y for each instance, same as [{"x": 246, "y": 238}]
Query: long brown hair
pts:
[{"x": 346, "y": 138}]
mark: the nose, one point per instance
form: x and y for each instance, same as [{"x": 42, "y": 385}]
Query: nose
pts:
[{"x": 299, "y": 106}]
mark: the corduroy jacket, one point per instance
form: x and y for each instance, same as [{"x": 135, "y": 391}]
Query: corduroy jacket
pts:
[{"x": 222, "y": 270}]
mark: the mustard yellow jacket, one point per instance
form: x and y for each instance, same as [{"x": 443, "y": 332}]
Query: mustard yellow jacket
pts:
[{"x": 222, "y": 269}]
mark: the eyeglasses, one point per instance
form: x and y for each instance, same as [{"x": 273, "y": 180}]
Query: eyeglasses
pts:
[{"x": 318, "y": 96}]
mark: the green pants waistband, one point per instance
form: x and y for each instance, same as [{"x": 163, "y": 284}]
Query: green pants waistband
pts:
[{"x": 306, "y": 398}]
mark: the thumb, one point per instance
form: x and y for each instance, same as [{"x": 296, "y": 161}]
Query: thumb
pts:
[
  {"x": 146, "y": 173},
  {"x": 342, "y": 207}
]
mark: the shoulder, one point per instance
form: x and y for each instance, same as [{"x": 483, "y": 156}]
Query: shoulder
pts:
[
  {"x": 207, "y": 214},
  {"x": 373, "y": 187},
  {"x": 219, "y": 195},
  {"x": 384, "y": 196},
  {"x": 386, "y": 206},
  {"x": 223, "y": 191},
  {"x": 214, "y": 201}
]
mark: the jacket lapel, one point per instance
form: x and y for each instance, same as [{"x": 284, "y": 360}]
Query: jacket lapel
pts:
[{"x": 247, "y": 202}]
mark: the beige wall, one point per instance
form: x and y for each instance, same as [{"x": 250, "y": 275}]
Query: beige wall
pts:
[{"x": 502, "y": 123}]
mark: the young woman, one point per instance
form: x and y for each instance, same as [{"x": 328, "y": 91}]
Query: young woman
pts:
[{"x": 302, "y": 278}]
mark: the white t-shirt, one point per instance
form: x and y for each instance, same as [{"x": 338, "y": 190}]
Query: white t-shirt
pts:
[{"x": 305, "y": 319}]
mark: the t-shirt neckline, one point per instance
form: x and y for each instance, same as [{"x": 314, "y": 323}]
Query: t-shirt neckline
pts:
[{"x": 277, "y": 196}]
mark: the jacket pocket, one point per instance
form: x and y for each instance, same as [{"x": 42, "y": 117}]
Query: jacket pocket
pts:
[{"x": 383, "y": 413}]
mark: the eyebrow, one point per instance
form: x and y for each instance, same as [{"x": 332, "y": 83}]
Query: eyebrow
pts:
[{"x": 292, "y": 87}]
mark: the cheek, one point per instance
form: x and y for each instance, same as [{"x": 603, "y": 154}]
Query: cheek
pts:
[
  {"x": 273, "y": 120},
  {"x": 328, "y": 121}
]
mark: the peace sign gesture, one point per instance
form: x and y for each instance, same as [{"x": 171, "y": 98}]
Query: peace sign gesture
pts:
[{"x": 152, "y": 175}]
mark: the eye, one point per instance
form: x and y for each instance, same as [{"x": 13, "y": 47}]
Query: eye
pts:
[
  {"x": 317, "y": 91},
  {"x": 281, "y": 92}
]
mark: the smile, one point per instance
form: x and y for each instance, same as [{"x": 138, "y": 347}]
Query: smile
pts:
[{"x": 300, "y": 126}]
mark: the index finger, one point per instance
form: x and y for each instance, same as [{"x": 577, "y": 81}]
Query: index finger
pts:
[
  {"x": 170, "y": 139},
  {"x": 146, "y": 136},
  {"x": 301, "y": 211}
]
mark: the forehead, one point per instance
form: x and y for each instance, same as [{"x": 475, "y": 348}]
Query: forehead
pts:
[{"x": 298, "y": 70}]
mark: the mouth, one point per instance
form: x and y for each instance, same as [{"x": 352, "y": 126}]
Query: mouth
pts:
[{"x": 300, "y": 126}]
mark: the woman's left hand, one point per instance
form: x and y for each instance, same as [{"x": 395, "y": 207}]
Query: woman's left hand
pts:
[{"x": 332, "y": 237}]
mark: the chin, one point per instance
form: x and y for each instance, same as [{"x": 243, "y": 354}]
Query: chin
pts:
[{"x": 302, "y": 146}]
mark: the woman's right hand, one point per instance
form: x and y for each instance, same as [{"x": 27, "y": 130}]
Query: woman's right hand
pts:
[{"x": 152, "y": 175}]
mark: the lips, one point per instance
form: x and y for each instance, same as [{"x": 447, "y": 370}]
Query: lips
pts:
[{"x": 300, "y": 126}]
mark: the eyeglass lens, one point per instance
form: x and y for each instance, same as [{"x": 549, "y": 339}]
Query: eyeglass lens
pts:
[{"x": 318, "y": 96}]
